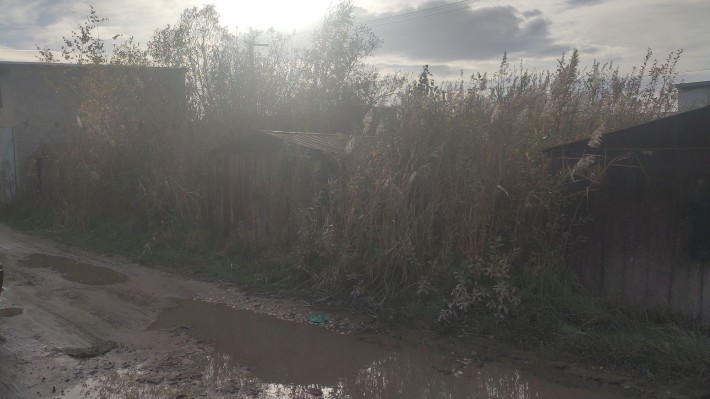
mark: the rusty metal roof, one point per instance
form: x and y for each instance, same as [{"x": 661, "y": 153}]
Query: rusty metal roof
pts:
[{"x": 327, "y": 142}]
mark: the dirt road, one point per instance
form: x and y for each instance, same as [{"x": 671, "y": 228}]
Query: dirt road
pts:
[
  {"x": 59, "y": 315},
  {"x": 77, "y": 325}
]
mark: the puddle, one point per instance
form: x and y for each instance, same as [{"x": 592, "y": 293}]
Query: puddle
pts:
[
  {"x": 11, "y": 312},
  {"x": 72, "y": 270},
  {"x": 278, "y": 351},
  {"x": 289, "y": 358}
]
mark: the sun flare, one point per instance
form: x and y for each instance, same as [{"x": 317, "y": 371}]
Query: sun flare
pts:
[{"x": 282, "y": 15}]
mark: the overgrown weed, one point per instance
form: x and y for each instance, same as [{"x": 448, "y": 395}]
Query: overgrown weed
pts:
[{"x": 458, "y": 171}]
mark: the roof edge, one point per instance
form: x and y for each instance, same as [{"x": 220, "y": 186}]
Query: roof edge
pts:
[
  {"x": 636, "y": 126},
  {"x": 692, "y": 85}
]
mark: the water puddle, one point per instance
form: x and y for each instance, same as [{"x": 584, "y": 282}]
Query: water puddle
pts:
[
  {"x": 72, "y": 270},
  {"x": 300, "y": 360},
  {"x": 11, "y": 312}
]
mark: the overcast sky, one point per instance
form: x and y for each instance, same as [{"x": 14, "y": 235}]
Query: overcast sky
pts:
[{"x": 449, "y": 35}]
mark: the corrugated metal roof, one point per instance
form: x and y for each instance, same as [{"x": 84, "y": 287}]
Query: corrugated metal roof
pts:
[{"x": 327, "y": 142}]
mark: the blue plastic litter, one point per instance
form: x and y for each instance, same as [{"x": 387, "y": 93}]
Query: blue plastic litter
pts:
[{"x": 319, "y": 318}]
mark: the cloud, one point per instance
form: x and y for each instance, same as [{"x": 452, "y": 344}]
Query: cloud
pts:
[
  {"x": 449, "y": 34},
  {"x": 622, "y": 31},
  {"x": 439, "y": 71},
  {"x": 582, "y": 3},
  {"x": 29, "y": 23},
  {"x": 472, "y": 36}
]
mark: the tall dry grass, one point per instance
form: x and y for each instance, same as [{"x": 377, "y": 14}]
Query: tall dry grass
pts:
[
  {"x": 130, "y": 158},
  {"x": 453, "y": 198}
]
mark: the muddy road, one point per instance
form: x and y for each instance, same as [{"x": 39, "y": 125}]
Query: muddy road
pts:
[{"x": 78, "y": 325}]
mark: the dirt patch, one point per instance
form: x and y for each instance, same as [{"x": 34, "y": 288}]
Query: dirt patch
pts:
[
  {"x": 73, "y": 270},
  {"x": 175, "y": 374}
]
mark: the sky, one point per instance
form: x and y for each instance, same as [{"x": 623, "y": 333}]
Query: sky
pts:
[{"x": 450, "y": 36}]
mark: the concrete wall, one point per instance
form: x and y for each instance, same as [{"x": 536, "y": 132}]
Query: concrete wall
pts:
[{"x": 42, "y": 104}]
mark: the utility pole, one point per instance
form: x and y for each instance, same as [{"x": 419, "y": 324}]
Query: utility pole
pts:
[{"x": 252, "y": 71}]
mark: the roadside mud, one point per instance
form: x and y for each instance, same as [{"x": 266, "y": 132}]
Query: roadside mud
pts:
[
  {"x": 75, "y": 271},
  {"x": 198, "y": 373},
  {"x": 97, "y": 348}
]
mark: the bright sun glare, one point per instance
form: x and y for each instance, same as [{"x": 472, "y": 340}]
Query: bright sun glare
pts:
[{"x": 282, "y": 15}]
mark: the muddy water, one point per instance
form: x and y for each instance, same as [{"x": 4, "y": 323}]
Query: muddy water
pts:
[
  {"x": 290, "y": 358},
  {"x": 11, "y": 312},
  {"x": 73, "y": 270}
]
